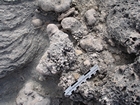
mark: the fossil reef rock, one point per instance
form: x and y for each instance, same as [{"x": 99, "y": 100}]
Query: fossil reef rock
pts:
[
  {"x": 74, "y": 27},
  {"x": 46, "y": 45},
  {"x": 54, "y": 60},
  {"x": 123, "y": 24}
]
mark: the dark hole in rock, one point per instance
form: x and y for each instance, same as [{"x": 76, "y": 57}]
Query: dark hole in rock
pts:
[
  {"x": 120, "y": 71},
  {"x": 72, "y": 92},
  {"x": 123, "y": 9},
  {"x": 114, "y": 12},
  {"x": 125, "y": 58},
  {"x": 77, "y": 87},
  {"x": 133, "y": 43},
  {"x": 88, "y": 79},
  {"x": 138, "y": 47},
  {"x": 124, "y": 88},
  {"x": 59, "y": 2},
  {"x": 134, "y": 39},
  {"x": 132, "y": 77},
  {"x": 126, "y": 15},
  {"x": 71, "y": 37},
  {"x": 131, "y": 58},
  {"x": 64, "y": 53},
  {"x": 126, "y": 2}
]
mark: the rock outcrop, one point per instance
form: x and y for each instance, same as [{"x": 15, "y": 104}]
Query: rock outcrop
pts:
[
  {"x": 19, "y": 42},
  {"x": 115, "y": 83},
  {"x": 81, "y": 33},
  {"x": 123, "y": 24},
  {"x": 60, "y": 56}
]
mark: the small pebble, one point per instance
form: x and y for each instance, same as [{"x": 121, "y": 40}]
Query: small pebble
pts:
[
  {"x": 76, "y": 75},
  {"x": 37, "y": 22},
  {"x": 78, "y": 52},
  {"x": 87, "y": 62}
]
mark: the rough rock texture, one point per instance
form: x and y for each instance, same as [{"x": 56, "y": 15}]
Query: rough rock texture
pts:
[
  {"x": 119, "y": 86},
  {"x": 54, "y": 5},
  {"x": 112, "y": 41},
  {"x": 66, "y": 80},
  {"x": 18, "y": 39},
  {"x": 28, "y": 95},
  {"x": 60, "y": 56},
  {"x": 118, "y": 80},
  {"x": 91, "y": 44},
  {"x": 137, "y": 66},
  {"x": 74, "y": 26},
  {"x": 66, "y": 14},
  {"x": 123, "y": 24},
  {"x": 90, "y": 16}
]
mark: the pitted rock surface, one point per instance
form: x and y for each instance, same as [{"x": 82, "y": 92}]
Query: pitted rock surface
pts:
[
  {"x": 28, "y": 95},
  {"x": 91, "y": 44},
  {"x": 109, "y": 37},
  {"x": 75, "y": 27},
  {"x": 123, "y": 24},
  {"x": 116, "y": 83},
  {"x": 60, "y": 56}
]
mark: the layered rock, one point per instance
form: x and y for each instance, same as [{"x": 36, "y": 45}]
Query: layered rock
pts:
[{"x": 18, "y": 40}]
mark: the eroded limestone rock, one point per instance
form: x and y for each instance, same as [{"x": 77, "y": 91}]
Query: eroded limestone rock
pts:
[
  {"x": 90, "y": 44},
  {"x": 54, "y": 5},
  {"x": 74, "y": 26},
  {"x": 123, "y": 24},
  {"x": 60, "y": 56},
  {"x": 28, "y": 95},
  {"x": 90, "y": 17},
  {"x": 122, "y": 82},
  {"x": 66, "y": 80}
]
